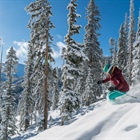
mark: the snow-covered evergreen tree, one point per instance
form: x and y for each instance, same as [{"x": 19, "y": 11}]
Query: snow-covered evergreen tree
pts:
[
  {"x": 113, "y": 43},
  {"x": 126, "y": 29},
  {"x": 91, "y": 46},
  {"x": 55, "y": 90},
  {"x": 122, "y": 50},
  {"x": 1, "y": 88},
  {"x": 40, "y": 25},
  {"x": 73, "y": 56},
  {"x": 26, "y": 104},
  {"x": 131, "y": 39},
  {"x": 136, "y": 57},
  {"x": 8, "y": 122},
  {"x": 89, "y": 95},
  {"x": 126, "y": 47},
  {"x": 138, "y": 28},
  {"x": 1, "y": 53},
  {"x": 136, "y": 62},
  {"x": 82, "y": 83}
]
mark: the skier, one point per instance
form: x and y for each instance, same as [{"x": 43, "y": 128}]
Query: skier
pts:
[{"x": 115, "y": 76}]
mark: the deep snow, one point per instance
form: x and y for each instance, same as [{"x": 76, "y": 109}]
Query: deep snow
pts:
[{"x": 100, "y": 121}]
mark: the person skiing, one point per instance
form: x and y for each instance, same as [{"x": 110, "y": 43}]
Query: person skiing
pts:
[{"x": 120, "y": 87}]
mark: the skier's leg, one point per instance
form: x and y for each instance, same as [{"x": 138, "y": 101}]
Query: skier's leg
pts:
[{"x": 114, "y": 94}]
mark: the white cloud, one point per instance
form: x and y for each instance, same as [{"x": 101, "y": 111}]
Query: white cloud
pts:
[
  {"x": 55, "y": 54},
  {"x": 58, "y": 53},
  {"x": 22, "y": 47},
  {"x": 21, "y": 51},
  {"x": 59, "y": 36},
  {"x": 61, "y": 45}
]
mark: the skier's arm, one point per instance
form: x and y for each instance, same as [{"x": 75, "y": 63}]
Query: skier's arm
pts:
[
  {"x": 106, "y": 80},
  {"x": 119, "y": 82}
]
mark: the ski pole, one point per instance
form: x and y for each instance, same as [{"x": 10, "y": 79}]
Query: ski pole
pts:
[{"x": 131, "y": 96}]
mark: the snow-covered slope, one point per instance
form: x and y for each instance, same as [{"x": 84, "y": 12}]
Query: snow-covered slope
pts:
[{"x": 103, "y": 121}]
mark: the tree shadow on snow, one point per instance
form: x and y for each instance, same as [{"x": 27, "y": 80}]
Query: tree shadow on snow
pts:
[{"x": 25, "y": 137}]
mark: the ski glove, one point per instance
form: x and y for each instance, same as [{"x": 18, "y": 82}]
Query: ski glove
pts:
[
  {"x": 99, "y": 82},
  {"x": 112, "y": 88}
]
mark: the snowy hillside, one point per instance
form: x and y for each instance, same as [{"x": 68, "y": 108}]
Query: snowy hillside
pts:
[{"x": 100, "y": 121}]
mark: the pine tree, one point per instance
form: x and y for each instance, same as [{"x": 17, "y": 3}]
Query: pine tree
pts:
[
  {"x": 113, "y": 43},
  {"x": 131, "y": 39},
  {"x": 1, "y": 53},
  {"x": 26, "y": 104},
  {"x": 138, "y": 30},
  {"x": 1, "y": 87},
  {"x": 136, "y": 57},
  {"x": 90, "y": 96},
  {"x": 122, "y": 50},
  {"x": 91, "y": 43},
  {"x": 136, "y": 62},
  {"x": 8, "y": 122},
  {"x": 55, "y": 91},
  {"x": 125, "y": 25},
  {"x": 82, "y": 83},
  {"x": 126, "y": 47},
  {"x": 73, "y": 56},
  {"x": 40, "y": 26}
]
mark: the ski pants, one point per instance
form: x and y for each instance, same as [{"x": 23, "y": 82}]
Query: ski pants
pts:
[{"x": 114, "y": 94}]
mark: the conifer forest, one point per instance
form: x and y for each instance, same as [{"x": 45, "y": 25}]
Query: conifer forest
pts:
[{"x": 26, "y": 102}]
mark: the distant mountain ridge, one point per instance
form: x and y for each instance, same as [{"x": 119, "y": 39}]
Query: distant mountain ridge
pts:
[{"x": 20, "y": 72}]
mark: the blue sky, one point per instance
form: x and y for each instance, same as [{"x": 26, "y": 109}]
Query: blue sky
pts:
[{"x": 14, "y": 20}]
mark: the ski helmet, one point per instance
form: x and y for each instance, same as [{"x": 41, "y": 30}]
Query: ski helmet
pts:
[{"x": 106, "y": 68}]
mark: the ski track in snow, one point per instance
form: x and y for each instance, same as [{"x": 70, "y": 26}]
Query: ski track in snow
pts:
[
  {"x": 104, "y": 124},
  {"x": 111, "y": 117}
]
